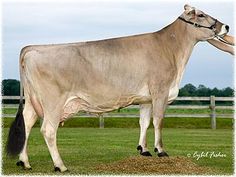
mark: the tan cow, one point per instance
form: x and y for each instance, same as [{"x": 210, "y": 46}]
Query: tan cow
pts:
[{"x": 101, "y": 76}]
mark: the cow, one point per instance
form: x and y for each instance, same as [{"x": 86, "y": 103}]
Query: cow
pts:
[{"x": 100, "y": 76}]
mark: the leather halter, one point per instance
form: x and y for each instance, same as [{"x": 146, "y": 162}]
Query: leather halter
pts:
[{"x": 212, "y": 27}]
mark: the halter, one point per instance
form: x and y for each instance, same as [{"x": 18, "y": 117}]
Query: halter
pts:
[{"x": 212, "y": 27}]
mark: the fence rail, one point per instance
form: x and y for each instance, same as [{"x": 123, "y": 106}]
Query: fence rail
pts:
[
  {"x": 178, "y": 98},
  {"x": 212, "y": 106}
]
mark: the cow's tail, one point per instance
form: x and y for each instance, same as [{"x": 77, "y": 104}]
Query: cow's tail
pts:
[{"x": 16, "y": 136}]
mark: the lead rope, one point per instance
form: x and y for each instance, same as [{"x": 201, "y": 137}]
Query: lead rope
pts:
[{"x": 222, "y": 40}]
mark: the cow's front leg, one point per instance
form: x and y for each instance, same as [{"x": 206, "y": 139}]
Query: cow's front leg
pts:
[
  {"x": 159, "y": 106},
  {"x": 144, "y": 121}
]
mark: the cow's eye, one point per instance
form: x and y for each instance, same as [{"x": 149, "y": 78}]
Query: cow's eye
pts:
[{"x": 201, "y": 15}]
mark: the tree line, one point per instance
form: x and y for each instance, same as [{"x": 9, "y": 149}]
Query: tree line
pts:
[
  {"x": 201, "y": 90},
  {"x": 11, "y": 87}
]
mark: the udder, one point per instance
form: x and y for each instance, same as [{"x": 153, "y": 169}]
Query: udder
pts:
[{"x": 173, "y": 94}]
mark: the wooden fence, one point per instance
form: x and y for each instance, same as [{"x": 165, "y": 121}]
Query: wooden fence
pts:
[{"x": 211, "y": 105}]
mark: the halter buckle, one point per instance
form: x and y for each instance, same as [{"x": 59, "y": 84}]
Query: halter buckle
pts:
[{"x": 195, "y": 24}]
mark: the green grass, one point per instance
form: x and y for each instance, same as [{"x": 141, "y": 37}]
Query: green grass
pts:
[
  {"x": 196, "y": 123},
  {"x": 84, "y": 148},
  {"x": 193, "y": 123},
  {"x": 9, "y": 110}
]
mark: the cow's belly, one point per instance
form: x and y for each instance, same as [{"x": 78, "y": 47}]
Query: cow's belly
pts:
[
  {"x": 79, "y": 102},
  {"x": 83, "y": 102}
]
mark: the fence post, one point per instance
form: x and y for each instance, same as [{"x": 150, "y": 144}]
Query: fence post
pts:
[
  {"x": 213, "y": 112},
  {"x": 101, "y": 121}
]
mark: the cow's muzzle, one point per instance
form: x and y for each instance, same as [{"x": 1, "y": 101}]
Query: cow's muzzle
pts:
[{"x": 223, "y": 30}]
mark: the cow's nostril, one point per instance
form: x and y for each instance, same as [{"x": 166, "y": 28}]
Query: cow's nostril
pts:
[{"x": 227, "y": 27}]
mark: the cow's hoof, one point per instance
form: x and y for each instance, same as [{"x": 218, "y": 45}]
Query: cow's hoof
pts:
[
  {"x": 27, "y": 168},
  {"x": 147, "y": 153},
  {"x": 162, "y": 154},
  {"x": 20, "y": 164},
  {"x": 57, "y": 169},
  {"x": 63, "y": 169},
  {"x": 139, "y": 148}
]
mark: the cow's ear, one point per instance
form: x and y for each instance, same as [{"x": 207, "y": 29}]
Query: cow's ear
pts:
[
  {"x": 186, "y": 7},
  {"x": 190, "y": 11}
]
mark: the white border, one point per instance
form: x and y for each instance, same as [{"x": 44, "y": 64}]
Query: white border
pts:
[
  {"x": 68, "y": 1},
  {"x": 1, "y": 56}
]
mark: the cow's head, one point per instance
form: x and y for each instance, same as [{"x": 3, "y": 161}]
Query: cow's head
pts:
[{"x": 203, "y": 26}]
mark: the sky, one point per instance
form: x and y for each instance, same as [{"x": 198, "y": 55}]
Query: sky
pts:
[{"x": 50, "y": 22}]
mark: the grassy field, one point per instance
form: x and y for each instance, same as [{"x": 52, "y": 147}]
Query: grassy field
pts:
[
  {"x": 191, "y": 123},
  {"x": 82, "y": 149}
]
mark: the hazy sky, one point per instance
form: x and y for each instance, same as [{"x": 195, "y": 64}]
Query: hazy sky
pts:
[{"x": 27, "y": 23}]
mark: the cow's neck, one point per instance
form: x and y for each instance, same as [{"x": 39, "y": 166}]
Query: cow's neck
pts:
[{"x": 179, "y": 44}]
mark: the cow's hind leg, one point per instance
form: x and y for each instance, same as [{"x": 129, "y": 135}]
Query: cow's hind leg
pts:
[
  {"x": 144, "y": 121},
  {"x": 49, "y": 131},
  {"x": 30, "y": 118}
]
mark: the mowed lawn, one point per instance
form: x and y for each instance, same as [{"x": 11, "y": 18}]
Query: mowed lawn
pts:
[{"x": 82, "y": 149}]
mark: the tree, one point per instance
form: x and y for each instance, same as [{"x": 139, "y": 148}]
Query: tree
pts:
[
  {"x": 227, "y": 92},
  {"x": 183, "y": 92},
  {"x": 203, "y": 91},
  {"x": 10, "y": 87},
  {"x": 216, "y": 92},
  {"x": 188, "y": 90}
]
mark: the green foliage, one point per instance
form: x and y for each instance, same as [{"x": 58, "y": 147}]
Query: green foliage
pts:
[
  {"x": 201, "y": 90},
  {"x": 10, "y": 87},
  {"x": 188, "y": 90},
  {"x": 227, "y": 92}
]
